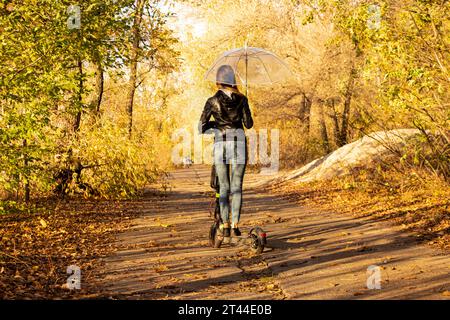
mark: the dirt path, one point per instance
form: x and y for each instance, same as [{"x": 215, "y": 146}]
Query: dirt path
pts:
[{"x": 311, "y": 254}]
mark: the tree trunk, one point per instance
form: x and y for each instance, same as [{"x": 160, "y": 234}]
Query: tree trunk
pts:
[
  {"x": 134, "y": 61},
  {"x": 305, "y": 111},
  {"x": 99, "y": 87},
  {"x": 25, "y": 162},
  {"x": 334, "y": 117},
  {"x": 343, "y": 136},
  {"x": 77, "y": 123},
  {"x": 323, "y": 129}
]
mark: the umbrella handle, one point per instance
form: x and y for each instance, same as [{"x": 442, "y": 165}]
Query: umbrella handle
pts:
[
  {"x": 246, "y": 71},
  {"x": 246, "y": 67}
]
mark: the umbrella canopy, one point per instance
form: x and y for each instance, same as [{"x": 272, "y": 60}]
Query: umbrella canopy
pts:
[{"x": 250, "y": 65}]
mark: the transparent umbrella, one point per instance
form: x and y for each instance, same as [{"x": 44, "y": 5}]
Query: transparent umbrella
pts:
[{"x": 251, "y": 65}]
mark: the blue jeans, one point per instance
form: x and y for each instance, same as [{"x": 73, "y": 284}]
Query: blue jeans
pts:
[{"x": 230, "y": 183}]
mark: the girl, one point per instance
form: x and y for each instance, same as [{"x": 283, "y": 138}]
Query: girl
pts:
[{"x": 231, "y": 113}]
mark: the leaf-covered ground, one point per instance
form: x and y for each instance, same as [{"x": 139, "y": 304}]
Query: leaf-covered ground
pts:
[
  {"x": 312, "y": 253},
  {"x": 419, "y": 203},
  {"x": 36, "y": 248}
]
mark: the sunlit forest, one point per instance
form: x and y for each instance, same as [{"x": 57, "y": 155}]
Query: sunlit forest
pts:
[{"x": 93, "y": 93}]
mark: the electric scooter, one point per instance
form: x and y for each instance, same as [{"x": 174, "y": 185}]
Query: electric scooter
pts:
[{"x": 256, "y": 239}]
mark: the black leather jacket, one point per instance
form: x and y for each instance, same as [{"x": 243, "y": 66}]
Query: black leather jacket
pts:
[{"x": 228, "y": 113}]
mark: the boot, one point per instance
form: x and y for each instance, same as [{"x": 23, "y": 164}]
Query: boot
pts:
[
  {"x": 226, "y": 229},
  {"x": 235, "y": 230}
]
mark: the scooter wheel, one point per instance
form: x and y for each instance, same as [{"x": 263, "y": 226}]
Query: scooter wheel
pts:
[
  {"x": 259, "y": 240},
  {"x": 214, "y": 240}
]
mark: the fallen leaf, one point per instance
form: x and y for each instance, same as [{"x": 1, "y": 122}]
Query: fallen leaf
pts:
[
  {"x": 161, "y": 268},
  {"x": 446, "y": 293},
  {"x": 270, "y": 286},
  {"x": 165, "y": 225},
  {"x": 43, "y": 223}
]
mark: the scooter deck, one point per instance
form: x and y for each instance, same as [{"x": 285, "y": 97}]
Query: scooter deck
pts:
[{"x": 236, "y": 240}]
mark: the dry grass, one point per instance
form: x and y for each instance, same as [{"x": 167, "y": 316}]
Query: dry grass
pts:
[{"x": 420, "y": 203}]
